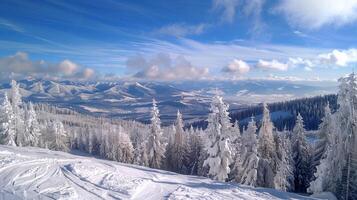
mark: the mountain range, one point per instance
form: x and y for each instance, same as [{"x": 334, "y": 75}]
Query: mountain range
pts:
[{"x": 132, "y": 100}]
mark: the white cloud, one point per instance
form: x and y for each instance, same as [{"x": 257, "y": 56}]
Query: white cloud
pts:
[
  {"x": 88, "y": 73},
  {"x": 20, "y": 65},
  {"x": 227, "y": 9},
  {"x": 339, "y": 57},
  {"x": 272, "y": 65},
  {"x": 163, "y": 67},
  {"x": 181, "y": 30},
  {"x": 300, "y": 34},
  {"x": 236, "y": 67},
  {"x": 68, "y": 67},
  {"x": 313, "y": 14},
  {"x": 300, "y": 62}
]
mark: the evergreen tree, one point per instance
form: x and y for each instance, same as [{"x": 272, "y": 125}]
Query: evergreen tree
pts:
[
  {"x": 16, "y": 102},
  {"x": 126, "y": 147},
  {"x": 248, "y": 166},
  {"x": 178, "y": 149},
  {"x": 59, "y": 140},
  {"x": 300, "y": 156},
  {"x": 268, "y": 159},
  {"x": 155, "y": 147},
  {"x": 7, "y": 120},
  {"x": 325, "y": 131},
  {"x": 195, "y": 151},
  {"x": 32, "y": 127},
  {"x": 284, "y": 178},
  {"x": 218, "y": 145}
]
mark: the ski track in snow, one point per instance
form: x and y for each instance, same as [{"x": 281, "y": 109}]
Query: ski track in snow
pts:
[{"x": 33, "y": 173}]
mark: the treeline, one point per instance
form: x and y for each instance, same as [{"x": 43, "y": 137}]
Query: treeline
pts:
[{"x": 311, "y": 109}]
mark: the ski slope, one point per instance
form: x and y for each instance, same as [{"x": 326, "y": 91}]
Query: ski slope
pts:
[{"x": 34, "y": 173}]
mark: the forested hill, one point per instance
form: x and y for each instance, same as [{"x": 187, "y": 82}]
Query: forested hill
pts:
[{"x": 283, "y": 114}]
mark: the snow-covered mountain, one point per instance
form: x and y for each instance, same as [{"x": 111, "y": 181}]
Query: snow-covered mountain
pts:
[
  {"x": 34, "y": 173},
  {"x": 132, "y": 100}
]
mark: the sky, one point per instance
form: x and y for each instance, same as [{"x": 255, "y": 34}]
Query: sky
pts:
[{"x": 179, "y": 39}]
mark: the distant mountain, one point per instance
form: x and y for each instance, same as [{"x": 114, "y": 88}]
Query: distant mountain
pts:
[{"x": 132, "y": 100}]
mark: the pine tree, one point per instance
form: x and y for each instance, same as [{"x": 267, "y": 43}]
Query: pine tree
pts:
[
  {"x": 325, "y": 131},
  {"x": 90, "y": 141},
  {"x": 127, "y": 150},
  {"x": 218, "y": 145},
  {"x": 144, "y": 159},
  {"x": 300, "y": 149},
  {"x": 7, "y": 120},
  {"x": 32, "y": 127},
  {"x": 59, "y": 141},
  {"x": 169, "y": 162},
  {"x": 248, "y": 166},
  {"x": 268, "y": 159},
  {"x": 155, "y": 147},
  {"x": 179, "y": 151},
  {"x": 266, "y": 137},
  {"x": 195, "y": 151},
  {"x": 284, "y": 178},
  {"x": 16, "y": 103}
]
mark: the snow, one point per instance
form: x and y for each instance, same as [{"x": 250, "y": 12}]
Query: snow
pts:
[
  {"x": 34, "y": 173},
  {"x": 324, "y": 195},
  {"x": 92, "y": 109}
]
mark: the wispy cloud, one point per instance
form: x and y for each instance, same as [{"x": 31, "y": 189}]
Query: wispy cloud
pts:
[
  {"x": 11, "y": 26},
  {"x": 315, "y": 14},
  {"x": 253, "y": 9},
  {"x": 227, "y": 9},
  {"x": 182, "y": 29},
  {"x": 216, "y": 55}
]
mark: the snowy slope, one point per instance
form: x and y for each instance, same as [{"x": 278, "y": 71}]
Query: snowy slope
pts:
[{"x": 33, "y": 173}]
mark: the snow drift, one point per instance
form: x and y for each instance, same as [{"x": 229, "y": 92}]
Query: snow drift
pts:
[{"x": 34, "y": 173}]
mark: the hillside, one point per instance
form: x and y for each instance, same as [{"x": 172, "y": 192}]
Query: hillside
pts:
[
  {"x": 34, "y": 173},
  {"x": 132, "y": 100}
]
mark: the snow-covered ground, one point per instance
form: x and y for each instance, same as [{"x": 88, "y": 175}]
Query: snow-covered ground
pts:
[{"x": 33, "y": 173}]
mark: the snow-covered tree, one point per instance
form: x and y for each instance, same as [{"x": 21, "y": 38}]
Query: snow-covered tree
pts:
[
  {"x": 32, "y": 127},
  {"x": 126, "y": 147},
  {"x": 7, "y": 120},
  {"x": 59, "y": 139},
  {"x": 90, "y": 141},
  {"x": 284, "y": 178},
  {"x": 154, "y": 145},
  {"x": 218, "y": 145},
  {"x": 268, "y": 159},
  {"x": 16, "y": 102},
  {"x": 195, "y": 150},
  {"x": 301, "y": 157},
  {"x": 143, "y": 159},
  {"x": 237, "y": 148},
  {"x": 266, "y": 138},
  {"x": 325, "y": 131},
  {"x": 169, "y": 163},
  {"x": 178, "y": 148},
  {"x": 338, "y": 168},
  {"x": 248, "y": 165}
]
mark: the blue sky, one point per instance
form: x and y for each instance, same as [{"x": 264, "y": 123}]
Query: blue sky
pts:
[{"x": 178, "y": 40}]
